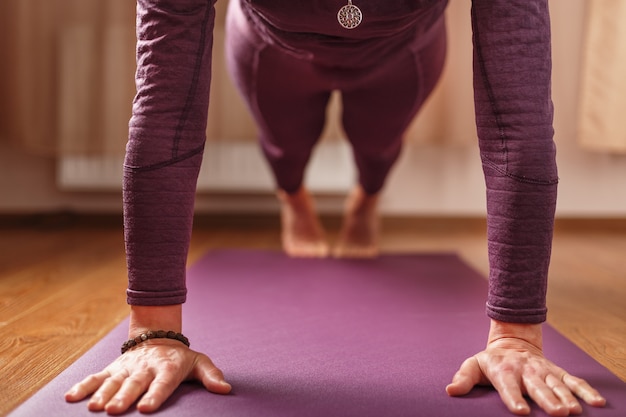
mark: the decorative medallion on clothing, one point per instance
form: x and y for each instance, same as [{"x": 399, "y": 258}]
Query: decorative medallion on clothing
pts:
[{"x": 349, "y": 16}]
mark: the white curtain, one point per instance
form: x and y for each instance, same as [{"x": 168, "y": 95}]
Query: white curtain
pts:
[
  {"x": 602, "y": 115},
  {"x": 66, "y": 80}
]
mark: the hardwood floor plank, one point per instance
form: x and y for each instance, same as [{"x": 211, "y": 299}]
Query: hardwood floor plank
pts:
[{"x": 68, "y": 293}]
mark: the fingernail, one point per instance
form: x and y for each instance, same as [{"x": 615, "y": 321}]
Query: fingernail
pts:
[
  {"x": 70, "y": 396},
  {"x": 115, "y": 402},
  {"x": 114, "y": 406},
  {"x": 226, "y": 387},
  {"x": 147, "y": 402},
  {"x": 95, "y": 403},
  {"x": 521, "y": 407}
]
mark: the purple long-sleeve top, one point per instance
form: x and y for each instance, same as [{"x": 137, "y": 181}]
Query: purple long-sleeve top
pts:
[{"x": 512, "y": 69}]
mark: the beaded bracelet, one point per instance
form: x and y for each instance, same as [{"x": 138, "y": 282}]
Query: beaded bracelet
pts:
[{"x": 159, "y": 334}]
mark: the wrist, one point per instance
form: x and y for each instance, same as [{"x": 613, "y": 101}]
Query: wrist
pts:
[
  {"x": 145, "y": 318},
  {"x": 530, "y": 333}
]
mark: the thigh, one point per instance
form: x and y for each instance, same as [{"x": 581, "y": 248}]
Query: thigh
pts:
[
  {"x": 285, "y": 94},
  {"x": 381, "y": 105},
  {"x": 290, "y": 97}
]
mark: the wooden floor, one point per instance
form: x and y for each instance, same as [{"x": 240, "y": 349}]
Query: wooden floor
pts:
[{"x": 62, "y": 284}]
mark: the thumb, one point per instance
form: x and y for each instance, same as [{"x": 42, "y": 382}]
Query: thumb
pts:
[
  {"x": 468, "y": 376},
  {"x": 211, "y": 377}
]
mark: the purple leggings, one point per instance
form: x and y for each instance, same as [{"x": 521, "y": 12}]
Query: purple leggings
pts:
[
  {"x": 288, "y": 94},
  {"x": 512, "y": 66}
]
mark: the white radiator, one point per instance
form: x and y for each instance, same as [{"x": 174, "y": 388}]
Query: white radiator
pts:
[{"x": 227, "y": 167}]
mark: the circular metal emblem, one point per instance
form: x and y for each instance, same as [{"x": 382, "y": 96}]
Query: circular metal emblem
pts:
[{"x": 349, "y": 16}]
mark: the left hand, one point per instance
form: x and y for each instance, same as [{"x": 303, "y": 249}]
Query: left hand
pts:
[{"x": 513, "y": 363}]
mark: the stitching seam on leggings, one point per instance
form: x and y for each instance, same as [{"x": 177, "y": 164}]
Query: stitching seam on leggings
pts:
[
  {"x": 194, "y": 82},
  {"x": 419, "y": 94},
  {"x": 169, "y": 162},
  {"x": 254, "y": 85}
]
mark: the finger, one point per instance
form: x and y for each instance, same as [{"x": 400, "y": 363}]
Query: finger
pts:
[
  {"x": 564, "y": 394},
  {"x": 211, "y": 377},
  {"x": 544, "y": 396},
  {"x": 159, "y": 391},
  {"x": 583, "y": 390},
  {"x": 106, "y": 391},
  {"x": 468, "y": 376},
  {"x": 86, "y": 387},
  {"x": 510, "y": 390},
  {"x": 132, "y": 388}
]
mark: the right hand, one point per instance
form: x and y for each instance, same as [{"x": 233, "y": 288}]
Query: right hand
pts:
[
  {"x": 514, "y": 364},
  {"x": 152, "y": 371}
]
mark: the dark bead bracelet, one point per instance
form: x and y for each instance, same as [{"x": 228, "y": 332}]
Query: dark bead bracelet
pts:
[{"x": 159, "y": 334}]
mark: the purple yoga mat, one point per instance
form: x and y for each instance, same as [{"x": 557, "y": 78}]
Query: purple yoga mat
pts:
[{"x": 326, "y": 337}]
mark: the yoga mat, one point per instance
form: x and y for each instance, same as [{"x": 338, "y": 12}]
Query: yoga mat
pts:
[{"x": 328, "y": 337}]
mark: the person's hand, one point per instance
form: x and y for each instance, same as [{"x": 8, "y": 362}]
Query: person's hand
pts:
[
  {"x": 513, "y": 363},
  {"x": 153, "y": 369}
]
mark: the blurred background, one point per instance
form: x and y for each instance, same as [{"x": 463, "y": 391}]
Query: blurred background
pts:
[{"x": 66, "y": 86}]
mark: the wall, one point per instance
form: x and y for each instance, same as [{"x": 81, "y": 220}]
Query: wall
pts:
[{"x": 429, "y": 179}]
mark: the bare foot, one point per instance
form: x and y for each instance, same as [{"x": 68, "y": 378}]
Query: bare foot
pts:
[
  {"x": 358, "y": 237},
  {"x": 302, "y": 233}
]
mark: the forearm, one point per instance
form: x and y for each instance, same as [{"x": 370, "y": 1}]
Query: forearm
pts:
[
  {"x": 165, "y": 146},
  {"x": 512, "y": 82},
  {"x": 520, "y": 228}
]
